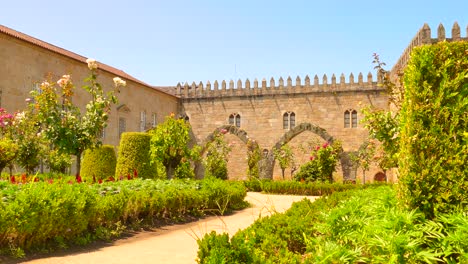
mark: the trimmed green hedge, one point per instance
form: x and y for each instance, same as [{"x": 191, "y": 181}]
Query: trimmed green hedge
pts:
[
  {"x": 98, "y": 163},
  {"x": 434, "y": 129},
  {"x": 302, "y": 188},
  {"x": 134, "y": 154},
  {"x": 41, "y": 215}
]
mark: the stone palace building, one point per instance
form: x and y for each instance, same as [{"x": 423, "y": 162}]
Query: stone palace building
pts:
[{"x": 300, "y": 112}]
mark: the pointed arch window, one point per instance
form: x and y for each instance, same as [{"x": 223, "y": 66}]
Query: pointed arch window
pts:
[
  {"x": 350, "y": 118},
  {"x": 354, "y": 118},
  {"x": 235, "y": 120},
  {"x": 289, "y": 120}
]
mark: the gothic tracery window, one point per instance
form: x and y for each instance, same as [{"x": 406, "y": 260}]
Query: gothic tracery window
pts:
[
  {"x": 289, "y": 120},
  {"x": 235, "y": 120},
  {"x": 350, "y": 118}
]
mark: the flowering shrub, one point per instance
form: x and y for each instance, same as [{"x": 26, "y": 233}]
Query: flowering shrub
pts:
[
  {"x": 322, "y": 163},
  {"x": 63, "y": 124}
]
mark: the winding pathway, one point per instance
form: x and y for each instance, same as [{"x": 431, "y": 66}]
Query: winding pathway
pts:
[{"x": 175, "y": 243}]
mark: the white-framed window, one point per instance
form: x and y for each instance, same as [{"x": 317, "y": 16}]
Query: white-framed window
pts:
[
  {"x": 122, "y": 125},
  {"x": 235, "y": 120},
  {"x": 289, "y": 120},
  {"x": 142, "y": 121},
  {"x": 154, "y": 120}
]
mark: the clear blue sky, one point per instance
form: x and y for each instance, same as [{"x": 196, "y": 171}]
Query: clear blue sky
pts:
[{"x": 165, "y": 42}]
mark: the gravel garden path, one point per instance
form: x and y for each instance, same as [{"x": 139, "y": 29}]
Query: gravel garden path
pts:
[{"x": 174, "y": 243}]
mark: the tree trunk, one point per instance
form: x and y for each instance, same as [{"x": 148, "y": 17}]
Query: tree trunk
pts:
[
  {"x": 282, "y": 172},
  {"x": 78, "y": 163},
  {"x": 170, "y": 172}
]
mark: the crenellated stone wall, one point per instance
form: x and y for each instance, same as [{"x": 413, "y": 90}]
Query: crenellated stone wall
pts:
[
  {"x": 423, "y": 37},
  {"x": 261, "y": 108}
]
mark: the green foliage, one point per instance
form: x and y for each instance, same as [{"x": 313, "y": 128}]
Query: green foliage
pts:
[
  {"x": 8, "y": 151},
  {"x": 31, "y": 143},
  {"x": 357, "y": 226},
  {"x": 98, "y": 163},
  {"x": 284, "y": 156},
  {"x": 63, "y": 124},
  {"x": 216, "y": 159},
  {"x": 383, "y": 125},
  {"x": 57, "y": 162},
  {"x": 322, "y": 163},
  {"x": 169, "y": 144},
  {"x": 253, "y": 157},
  {"x": 134, "y": 154},
  {"x": 301, "y": 188},
  {"x": 434, "y": 122},
  {"x": 40, "y": 215}
]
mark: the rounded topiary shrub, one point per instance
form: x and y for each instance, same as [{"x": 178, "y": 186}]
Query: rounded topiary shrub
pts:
[
  {"x": 134, "y": 155},
  {"x": 98, "y": 163}
]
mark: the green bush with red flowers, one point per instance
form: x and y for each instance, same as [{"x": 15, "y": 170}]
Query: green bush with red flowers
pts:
[
  {"x": 37, "y": 214},
  {"x": 322, "y": 164}
]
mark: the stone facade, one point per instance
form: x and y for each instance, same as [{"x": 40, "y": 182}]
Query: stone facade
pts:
[
  {"x": 26, "y": 62},
  {"x": 300, "y": 113},
  {"x": 262, "y": 109}
]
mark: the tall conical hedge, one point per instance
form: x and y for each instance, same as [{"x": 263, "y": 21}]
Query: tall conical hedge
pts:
[
  {"x": 134, "y": 154},
  {"x": 99, "y": 163}
]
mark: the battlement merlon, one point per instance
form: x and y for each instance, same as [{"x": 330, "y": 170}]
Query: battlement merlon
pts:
[
  {"x": 423, "y": 36},
  {"x": 281, "y": 87}
]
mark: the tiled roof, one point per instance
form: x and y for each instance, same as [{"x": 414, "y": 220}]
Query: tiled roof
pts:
[{"x": 64, "y": 52}]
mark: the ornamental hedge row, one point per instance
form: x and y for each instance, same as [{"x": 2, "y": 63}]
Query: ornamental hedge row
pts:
[
  {"x": 134, "y": 155},
  {"x": 302, "y": 188},
  {"x": 39, "y": 215},
  {"x": 434, "y": 129}
]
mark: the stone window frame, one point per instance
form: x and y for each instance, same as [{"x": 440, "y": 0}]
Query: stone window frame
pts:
[
  {"x": 143, "y": 121},
  {"x": 122, "y": 125},
  {"x": 154, "y": 120},
  {"x": 289, "y": 120},
  {"x": 235, "y": 119},
  {"x": 350, "y": 118}
]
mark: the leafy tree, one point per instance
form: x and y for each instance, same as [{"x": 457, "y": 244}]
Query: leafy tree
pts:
[
  {"x": 169, "y": 144},
  {"x": 216, "y": 159},
  {"x": 284, "y": 156},
  {"x": 384, "y": 125},
  {"x": 253, "y": 157},
  {"x": 364, "y": 156},
  {"x": 63, "y": 124}
]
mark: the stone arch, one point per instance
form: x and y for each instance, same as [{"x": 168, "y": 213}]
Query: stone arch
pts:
[
  {"x": 231, "y": 129},
  {"x": 288, "y": 136},
  {"x": 268, "y": 162}
]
